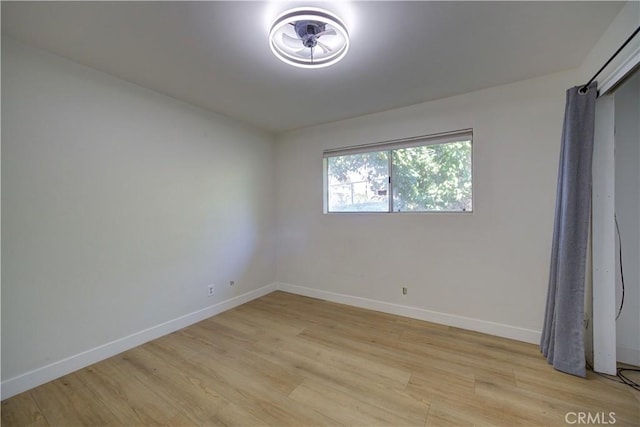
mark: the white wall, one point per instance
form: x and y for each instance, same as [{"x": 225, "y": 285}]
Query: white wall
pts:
[
  {"x": 473, "y": 270},
  {"x": 119, "y": 206},
  {"x": 627, "y": 197}
]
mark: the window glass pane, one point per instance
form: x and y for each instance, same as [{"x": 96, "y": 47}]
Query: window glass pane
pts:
[
  {"x": 358, "y": 182},
  {"x": 432, "y": 178}
]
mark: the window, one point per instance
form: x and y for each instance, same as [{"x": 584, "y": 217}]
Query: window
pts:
[{"x": 422, "y": 174}]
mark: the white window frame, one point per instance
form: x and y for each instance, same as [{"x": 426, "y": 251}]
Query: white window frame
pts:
[{"x": 417, "y": 141}]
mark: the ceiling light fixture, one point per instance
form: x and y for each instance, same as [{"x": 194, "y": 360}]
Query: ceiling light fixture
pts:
[{"x": 309, "y": 38}]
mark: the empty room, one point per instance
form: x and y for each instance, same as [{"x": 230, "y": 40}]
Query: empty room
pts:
[{"x": 324, "y": 213}]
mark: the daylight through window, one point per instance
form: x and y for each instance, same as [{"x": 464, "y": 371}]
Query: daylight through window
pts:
[{"x": 422, "y": 174}]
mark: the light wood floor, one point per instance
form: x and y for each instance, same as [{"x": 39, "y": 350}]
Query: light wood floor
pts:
[{"x": 289, "y": 360}]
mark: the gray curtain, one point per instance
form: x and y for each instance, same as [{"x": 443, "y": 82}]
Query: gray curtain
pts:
[{"x": 563, "y": 333}]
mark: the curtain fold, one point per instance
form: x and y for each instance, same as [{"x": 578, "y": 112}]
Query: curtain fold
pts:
[{"x": 562, "y": 340}]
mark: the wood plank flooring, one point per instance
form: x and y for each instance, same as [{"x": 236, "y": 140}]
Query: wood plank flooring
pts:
[{"x": 287, "y": 360}]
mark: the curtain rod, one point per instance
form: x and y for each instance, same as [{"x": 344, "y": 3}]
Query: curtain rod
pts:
[{"x": 585, "y": 87}]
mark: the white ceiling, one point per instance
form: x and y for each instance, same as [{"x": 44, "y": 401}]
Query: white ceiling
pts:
[{"x": 216, "y": 55}]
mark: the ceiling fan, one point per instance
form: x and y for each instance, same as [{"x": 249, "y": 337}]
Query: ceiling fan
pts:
[
  {"x": 309, "y": 38},
  {"x": 309, "y": 33}
]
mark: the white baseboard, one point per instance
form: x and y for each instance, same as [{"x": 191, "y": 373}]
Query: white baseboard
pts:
[
  {"x": 47, "y": 373},
  {"x": 492, "y": 328},
  {"x": 42, "y": 375},
  {"x": 630, "y": 356}
]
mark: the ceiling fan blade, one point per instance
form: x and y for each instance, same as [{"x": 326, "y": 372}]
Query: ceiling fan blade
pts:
[
  {"x": 304, "y": 52},
  {"x": 324, "y": 47},
  {"x": 330, "y": 32},
  {"x": 291, "y": 42}
]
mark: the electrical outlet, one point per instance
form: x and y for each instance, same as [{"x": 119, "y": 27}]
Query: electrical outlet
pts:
[
  {"x": 231, "y": 283},
  {"x": 404, "y": 291},
  {"x": 210, "y": 290}
]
